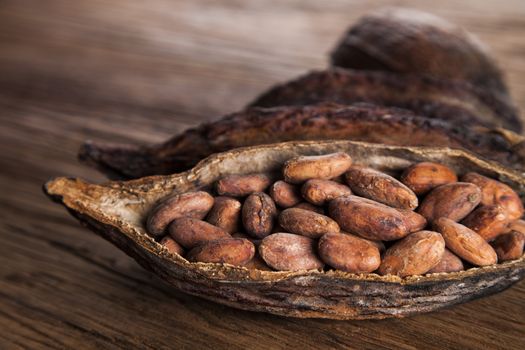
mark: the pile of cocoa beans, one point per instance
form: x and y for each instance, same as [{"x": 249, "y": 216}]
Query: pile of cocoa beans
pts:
[{"x": 323, "y": 212}]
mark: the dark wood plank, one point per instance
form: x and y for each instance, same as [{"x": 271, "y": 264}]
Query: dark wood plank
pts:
[{"x": 138, "y": 72}]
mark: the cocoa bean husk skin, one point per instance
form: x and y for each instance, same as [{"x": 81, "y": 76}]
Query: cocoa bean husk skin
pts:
[{"x": 360, "y": 122}]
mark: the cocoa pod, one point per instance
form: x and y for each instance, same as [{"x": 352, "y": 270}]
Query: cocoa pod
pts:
[
  {"x": 190, "y": 232},
  {"x": 448, "y": 263},
  {"x": 320, "y": 192},
  {"x": 425, "y": 176},
  {"x": 289, "y": 252},
  {"x": 409, "y": 41},
  {"x": 509, "y": 246},
  {"x": 310, "y": 206},
  {"x": 307, "y": 223},
  {"x": 234, "y": 251},
  {"x": 327, "y": 166},
  {"x": 258, "y": 214},
  {"x": 380, "y": 187},
  {"x": 348, "y": 253},
  {"x": 495, "y": 192},
  {"x": 413, "y": 255},
  {"x": 172, "y": 246},
  {"x": 465, "y": 243},
  {"x": 488, "y": 221},
  {"x": 242, "y": 185},
  {"x": 284, "y": 194},
  {"x": 225, "y": 214},
  {"x": 453, "y": 201},
  {"x": 191, "y": 204},
  {"x": 369, "y": 219}
]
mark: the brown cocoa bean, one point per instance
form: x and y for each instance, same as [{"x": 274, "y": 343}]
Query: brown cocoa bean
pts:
[
  {"x": 310, "y": 206},
  {"x": 191, "y": 204},
  {"x": 190, "y": 232},
  {"x": 413, "y": 255},
  {"x": 257, "y": 263},
  {"x": 284, "y": 194},
  {"x": 448, "y": 263},
  {"x": 255, "y": 241},
  {"x": 488, "y": 221},
  {"x": 225, "y": 214},
  {"x": 425, "y": 176},
  {"x": 509, "y": 246},
  {"x": 258, "y": 214},
  {"x": 320, "y": 192},
  {"x": 242, "y": 185},
  {"x": 380, "y": 187},
  {"x": 453, "y": 201},
  {"x": 495, "y": 192},
  {"x": 465, "y": 243},
  {"x": 234, "y": 251},
  {"x": 369, "y": 219},
  {"x": 517, "y": 225},
  {"x": 289, "y": 252},
  {"x": 348, "y": 253},
  {"x": 414, "y": 221},
  {"x": 172, "y": 246},
  {"x": 306, "y": 223},
  {"x": 328, "y": 166}
]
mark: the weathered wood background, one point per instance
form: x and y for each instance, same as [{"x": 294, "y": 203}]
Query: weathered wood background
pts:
[{"x": 140, "y": 71}]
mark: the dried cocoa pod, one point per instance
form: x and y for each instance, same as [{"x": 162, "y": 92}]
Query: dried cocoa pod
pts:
[
  {"x": 448, "y": 263},
  {"x": 191, "y": 204},
  {"x": 380, "y": 187},
  {"x": 328, "y": 121},
  {"x": 225, "y": 214},
  {"x": 258, "y": 214},
  {"x": 495, "y": 192},
  {"x": 320, "y": 192},
  {"x": 453, "y": 201},
  {"x": 284, "y": 194},
  {"x": 190, "y": 232},
  {"x": 348, "y": 253},
  {"x": 413, "y": 255},
  {"x": 488, "y": 221},
  {"x": 234, "y": 251},
  {"x": 326, "y": 166},
  {"x": 310, "y": 206},
  {"x": 465, "y": 243},
  {"x": 425, "y": 176},
  {"x": 307, "y": 223},
  {"x": 172, "y": 246},
  {"x": 289, "y": 252},
  {"x": 449, "y": 100},
  {"x": 242, "y": 185},
  {"x": 368, "y": 219},
  {"x": 411, "y": 41},
  {"x": 509, "y": 246}
]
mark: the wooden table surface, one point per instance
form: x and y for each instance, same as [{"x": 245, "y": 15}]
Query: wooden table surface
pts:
[{"x": 139, "y": 71}]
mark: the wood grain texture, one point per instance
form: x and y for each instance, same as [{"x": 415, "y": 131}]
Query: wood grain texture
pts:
[{"x": 138, "y": 72}]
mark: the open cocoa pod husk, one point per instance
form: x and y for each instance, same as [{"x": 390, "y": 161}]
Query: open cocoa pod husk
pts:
[
  {"x": 256, "y": 126},
  {"x": 117, "y": 212}
]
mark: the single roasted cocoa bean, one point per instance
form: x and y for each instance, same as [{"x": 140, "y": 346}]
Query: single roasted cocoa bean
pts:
[
  {"x": 465, "y": 243},
  {"x": 369, "y": 219},
  {"x": 320, "y": 192},
  {"x": 306, "y": 223},
  {"x": 453, "y": 201},
  {"x": 449, "y": 263},
  {"x": 242, "y": 185},
  {"x": 349, "y": 253},
  {"x": 509, "y": 246},
  {"x": 310, "y": 206},
  {"x": 258, "y": 214},
  {"x": 380, "y": 187},
  {"x": 234, "y": 251},
  {"x": 495, "y": 192},
  {"x": 172, "y": 246},
  {"x": 425, "y": 176},
  {"x": 289, "y": 252},
  {"x": 413, "y": 255},
  {"x": 488, "y": 221},
  {"x": 191, "y": 204},
  {"x": 225, "y": 214},
  {"x": 328, "y": 166},
  {"x": 415, "y": 222},
  {"x": 285, "y": 195},
  {"x": 190, "y": 232},
  {"x": 518, "y": 225}
]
